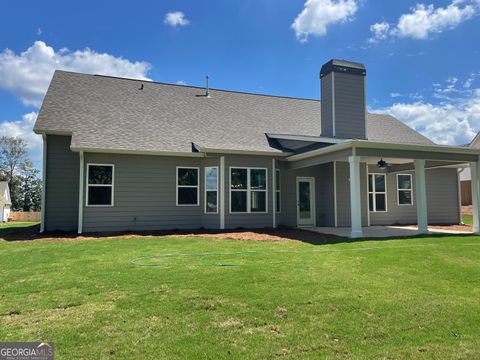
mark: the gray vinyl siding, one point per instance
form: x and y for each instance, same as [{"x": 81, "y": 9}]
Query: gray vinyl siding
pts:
[
  {"x": 323, "y": 175},
  {"x": 326, "y": 106},
  {"x": 62, "y": 179},
  {"x": 442, "y": 196},
  {"x": 145, "y": 195},
  {"x": 248, "y": 220},
  {"x": 350, "y": 118},
  {"x": 343, "y": 193},
  {"x": 442, "y": 199}
]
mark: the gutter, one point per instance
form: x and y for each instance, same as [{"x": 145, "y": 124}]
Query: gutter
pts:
[
  {"x": 136, "y": 152},
  {"x": 241, "y": 152}
]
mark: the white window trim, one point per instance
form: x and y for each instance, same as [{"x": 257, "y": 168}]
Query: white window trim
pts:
[
  {"x": 247, "y": 190},
  {"x": 278, "y": 201},
  {"x": 205, "y": 192},
  {"x": 411, "y": 190},
  {"x": 187, "y": 186},
  {"x": 374, "y": 192},
  {"x": 112, "y": 185}
]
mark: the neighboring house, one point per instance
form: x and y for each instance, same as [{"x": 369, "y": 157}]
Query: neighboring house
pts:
[
  {"x": 5, "y": 201},
  {"x": 122, "y": 154},
  {"x": 465, "y": 175}
]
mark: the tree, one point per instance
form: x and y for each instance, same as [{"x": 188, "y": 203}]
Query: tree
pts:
[
  {"x": 31, "y": 187},
  {"x": 13, "y": 152},
  {"x": 21, "y": 175}
]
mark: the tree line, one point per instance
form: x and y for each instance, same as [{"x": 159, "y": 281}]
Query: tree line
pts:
[{"x": 20, "y": 173}]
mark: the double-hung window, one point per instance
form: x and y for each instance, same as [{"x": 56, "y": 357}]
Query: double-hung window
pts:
[
  {"x": 211, "y": 190},
  {"x": 100, "y": 185},
  {"x": 377, "y": 192},
  {"x": 277, "y": 191},
  {"x": 248, "y": 190},
  {"x": 187, "y": 186},
  {"x": 404, "y": 189}
]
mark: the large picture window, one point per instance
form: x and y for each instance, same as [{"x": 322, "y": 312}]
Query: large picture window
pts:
[
  {"x": 404, "y": 189},
  {"x": 211, "y": 190},
  {"x": 377, "y": 192},
  {"x": 100, "y": 185},
  {"x": 278, "y": 206},
  {"x": 187, "y": 186},
  {"x": 248, "y": 190}
]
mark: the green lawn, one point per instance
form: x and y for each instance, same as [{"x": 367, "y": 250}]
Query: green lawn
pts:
[
  {"x": 395, "y": 299},
  {"x": 467, "y": 219}
]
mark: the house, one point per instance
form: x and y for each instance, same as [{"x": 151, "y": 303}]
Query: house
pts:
[
  {"x": 122, "y": 154},
  {"x": 465, "y": 176},
  {"x": 5, "y": 201}
]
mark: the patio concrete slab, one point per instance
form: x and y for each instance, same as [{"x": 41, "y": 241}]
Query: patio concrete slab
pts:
[{"x": 382, "y": 231}]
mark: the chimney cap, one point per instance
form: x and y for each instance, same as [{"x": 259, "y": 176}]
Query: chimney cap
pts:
[{"x": 343, "y": 66}]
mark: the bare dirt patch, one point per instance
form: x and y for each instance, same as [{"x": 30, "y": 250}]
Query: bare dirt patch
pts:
[
  {"x": 466, "y": 228},
  {"x": 467, "y": 209}
]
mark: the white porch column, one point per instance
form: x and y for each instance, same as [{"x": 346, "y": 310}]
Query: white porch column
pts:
[
  {"x": 475, "y": 175},
  {"x": 421, "y": 194},
  {"x": 222, "y": 192},
  {"x": 355, "y": 197},
  {"x": 80, "y": 193},
  {"x": 274, "y": 194}
]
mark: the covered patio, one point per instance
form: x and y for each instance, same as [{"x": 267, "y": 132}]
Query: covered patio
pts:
[
  {"x": 383, "y": 231},
  {"x": 362, "y": 158}
]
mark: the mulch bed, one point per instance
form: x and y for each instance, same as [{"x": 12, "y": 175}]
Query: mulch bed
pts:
[{"x": 264, "y": 234}]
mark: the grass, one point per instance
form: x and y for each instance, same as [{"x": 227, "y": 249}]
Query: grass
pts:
[
  {"x": 395, "y": 299},
  {"x": 467, "y": 219},
  {"x": 14, "y": 225}
]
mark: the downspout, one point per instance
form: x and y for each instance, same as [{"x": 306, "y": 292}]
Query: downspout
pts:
[
  {"x": 459, "y": 171},
  {"x": 80, "y": 193},
  {"x": 44, "y": 183}
]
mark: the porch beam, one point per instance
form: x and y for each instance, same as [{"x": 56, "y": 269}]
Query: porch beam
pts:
[
  {"x": 428, "y": 165},
  {"x": 475, "y": 176},
  {"x": 355, "y": 197},
  {"x": 421, "y": 193},
  {"x": 413, "y": 154}
]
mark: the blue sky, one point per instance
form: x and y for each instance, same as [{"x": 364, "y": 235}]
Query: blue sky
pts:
[{"x": 422, "y": 58}]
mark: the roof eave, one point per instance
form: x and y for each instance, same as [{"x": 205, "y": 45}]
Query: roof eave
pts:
[{"x": 366, "y": 144}]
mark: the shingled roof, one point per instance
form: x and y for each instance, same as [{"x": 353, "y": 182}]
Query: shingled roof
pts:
[
  {"x": 475, "y": 144},
  {"x": 109, "y": 113}
]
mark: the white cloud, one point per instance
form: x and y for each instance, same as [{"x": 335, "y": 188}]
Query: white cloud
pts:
[
  {"x": 379, "y": 31},
  {"x": 468, "y": 83},
  {"x": 395, "y": 95},
  {"x": 424, "y": 20},
  {"x": 176, "y": 18},
  {"x": 39, "y": 31},
  {"x": 317, "y": 15},
  {"x": 28, "y": 74},
  {"x": 453, "y": 121},
  {"x": 24, "y": 128}
]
